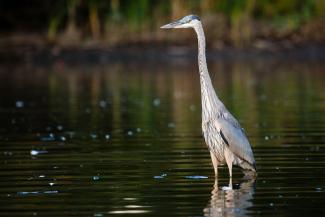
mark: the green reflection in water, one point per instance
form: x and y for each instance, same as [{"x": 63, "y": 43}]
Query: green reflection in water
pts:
[{"x": 152, "y": 116}]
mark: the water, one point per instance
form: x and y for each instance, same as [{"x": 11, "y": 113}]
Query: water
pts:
[{"x": 101, "y": 140}]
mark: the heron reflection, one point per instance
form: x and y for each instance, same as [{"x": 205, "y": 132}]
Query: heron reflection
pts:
[{"x": 231, "y": 202}]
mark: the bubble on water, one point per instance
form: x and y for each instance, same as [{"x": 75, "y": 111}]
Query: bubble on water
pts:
[
  {"x": 48, "y": 138},
  {"x": 171, "y": 125},
  {"x": 130, "y": 133},
  {"x": 62, "y": 138},
  {"x": 37, "y": 152},
  {"x": 318, "y": 189},
  {"x": 51, "y": 183},
  {"x": 129, "y": 198},
  {"x": 20, "y": 104},
  {"x": 96, "y": 178},
  {"x": 71, "y": 134},
  {"x": 7, "y": 153},
  {"x": 103, "y": 103},
  {"x": 138, "y": 129},
  {"x": 163, "y": 175},
  {"x": 41, "y": 176},
  {"x": 266, "y": 138},
  {"x": 271, "y": 204},
  {"x": 192, "y": 108},
  {"x": 196, "y": 177},
  {"x": 93, "y": 135},
  {"x": 263, "y": 97},
  {"x": 107, "y": 136},
  {"x": 23, "y": 193},
  {"x": 51, "y": 192},
  {"x": 59, "y": 127},
  {"x": 156, "y": 102},
  {"x": 98, "y": 214},
  {"x": 314, "y": 148},
  {"x": 34, "y": 152}
]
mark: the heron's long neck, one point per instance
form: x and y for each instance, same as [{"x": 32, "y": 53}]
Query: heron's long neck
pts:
[{"x": 210, "y": 102}]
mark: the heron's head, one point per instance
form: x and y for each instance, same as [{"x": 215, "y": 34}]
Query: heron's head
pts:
[{"x": 188, "y": 21}]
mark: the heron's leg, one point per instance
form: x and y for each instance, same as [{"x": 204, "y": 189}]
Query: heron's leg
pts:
[
  {"x": 215, "y": 164},
  {"x": 230, "y": 182},
  {"x": 229, "y": 159},
  {"x": 229, "y": 163}
]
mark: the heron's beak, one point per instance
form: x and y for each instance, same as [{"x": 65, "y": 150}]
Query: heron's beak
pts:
[{"x": 176, "y": 24}]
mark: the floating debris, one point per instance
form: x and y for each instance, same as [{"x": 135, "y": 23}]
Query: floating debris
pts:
[
  {"x": 196, "y": 177},
  {"x": 98, "y": 214},
  {"x": 51, "y": 183},
  {"x": 41, "y": 176},
  {"x": 20, "y": 104},
  {"x": 161, "y": 176},
  {"x": 156, "y": 102},
  {"x": 36, "y": 152}
]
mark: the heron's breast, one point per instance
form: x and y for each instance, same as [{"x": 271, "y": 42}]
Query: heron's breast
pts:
[{"x": 214, "y": 141}]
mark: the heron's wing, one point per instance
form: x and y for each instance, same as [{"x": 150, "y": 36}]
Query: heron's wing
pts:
[{"x": 235, "y": 138}]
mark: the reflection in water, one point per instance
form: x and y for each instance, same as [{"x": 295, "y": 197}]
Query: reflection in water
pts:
[
  {"x": 232, "y": 202},
  {"x": 89, "y": 140}
]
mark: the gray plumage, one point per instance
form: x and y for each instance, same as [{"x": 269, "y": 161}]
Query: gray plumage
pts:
[{"x": 225, "y": 138}]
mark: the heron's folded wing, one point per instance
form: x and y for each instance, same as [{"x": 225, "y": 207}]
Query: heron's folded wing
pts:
[{"x": 236, "y": 140}]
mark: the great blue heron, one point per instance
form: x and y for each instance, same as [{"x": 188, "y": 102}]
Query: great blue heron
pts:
[{"x": 225, "y": 138}]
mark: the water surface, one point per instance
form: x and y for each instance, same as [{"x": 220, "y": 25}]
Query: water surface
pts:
[{"x": 115, "y": 139}]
